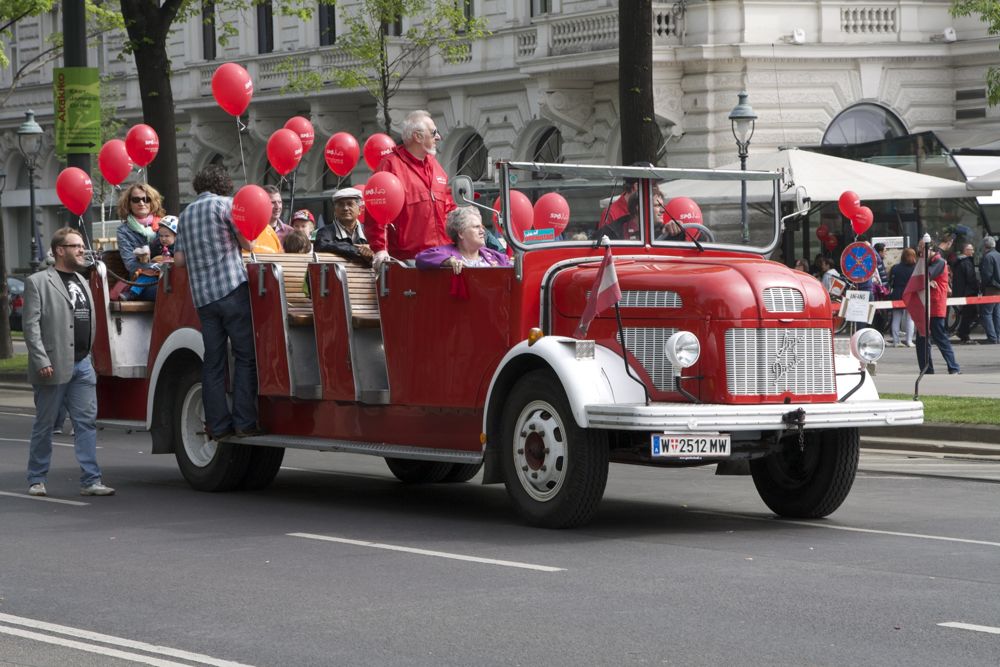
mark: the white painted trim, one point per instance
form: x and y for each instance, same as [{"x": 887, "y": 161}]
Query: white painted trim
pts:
[{"x": 182, "y": 339}]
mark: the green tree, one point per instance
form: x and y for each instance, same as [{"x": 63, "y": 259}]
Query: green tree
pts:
[
  {"x": 640, "y": 134},
  {"x": 383, "y": 61},
  {"x": 989, "y": 13}
]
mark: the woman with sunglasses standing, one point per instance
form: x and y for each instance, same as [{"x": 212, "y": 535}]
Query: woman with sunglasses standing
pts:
[{"x": 140, "y": 208}]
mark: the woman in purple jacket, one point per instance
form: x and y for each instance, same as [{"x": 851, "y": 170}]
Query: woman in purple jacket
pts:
[{"x": 464, "y": 226}]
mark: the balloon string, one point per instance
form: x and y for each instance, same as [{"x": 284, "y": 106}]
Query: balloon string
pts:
[{"x": 239, "y": 133}]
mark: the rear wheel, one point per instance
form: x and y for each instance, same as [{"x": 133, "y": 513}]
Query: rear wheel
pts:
[
  {"x": 265, "y": 462},
  {"x": 207, "y": 465},
  {"x": 555, "y": 471},
  {"x": 812, "y": 481},
  {"x": 462, "y": 472},
  {"x": 418, "y": 472}
]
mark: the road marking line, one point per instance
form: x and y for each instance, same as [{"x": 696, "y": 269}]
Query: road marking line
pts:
[
  {"x": 107, "y": 639},
  {"x": 893, "y": 533},
  {"x": 425, "y": 552},
  {"x": 44, "y": 498},
  {"x": 969, "y": 626}
]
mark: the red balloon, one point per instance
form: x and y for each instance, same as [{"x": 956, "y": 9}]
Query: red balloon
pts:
[
  {"x": 521, "y": 213},
  {"x": 251, "y": 210},
  {"x": 383, "y": 197},
  {"x": 342, "y": 153},
  {"x": 849, "y": 203},
  {"x": 302, "y": 127},
  {"x": 114, "y": 161},
  {"x": 822, "y": 232},
  {"x": 862, "y": 220},
  {"x": 284, "y": 151},
  {"x": 377, "y": 147},
  {"x": 74, "y": 189},
  {"x": 831, "y": 242},
  {"x": 682, "y": 210},
  {"x": 232, "y": 88},
  {"x": 551, "y": 211},
  {"x": 142, "y": 143}
]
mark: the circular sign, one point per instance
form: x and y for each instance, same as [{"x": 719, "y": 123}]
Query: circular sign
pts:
[{"x": 858, "y": 262}]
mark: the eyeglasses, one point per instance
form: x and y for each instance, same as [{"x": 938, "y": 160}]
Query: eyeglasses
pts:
[
  {"x": 434, "y": 132},
  {"x": 140, "y": 200},
  {"x": 72, "y": 245}
]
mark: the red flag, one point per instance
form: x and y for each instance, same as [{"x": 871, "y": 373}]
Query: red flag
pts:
[
  {"x": 604, "y": 294},
  {"x": 913, "y": 296}
]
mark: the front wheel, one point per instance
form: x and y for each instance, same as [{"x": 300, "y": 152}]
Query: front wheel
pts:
[
  {"x": 812, "y": 481},
  {"x": 555, "y": 472},
  {"x": 207, "y": 465}
]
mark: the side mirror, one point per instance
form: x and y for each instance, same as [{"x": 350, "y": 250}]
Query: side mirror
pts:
[
  {"x": 462, "y": 191},
  {"x": 802, "y": 201}
]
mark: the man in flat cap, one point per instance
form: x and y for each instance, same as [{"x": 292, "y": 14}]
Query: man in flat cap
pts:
[{"x": 344, "y": 235}]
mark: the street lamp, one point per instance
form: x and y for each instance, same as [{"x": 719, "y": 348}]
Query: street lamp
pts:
[
  {"x": 29, "y": 141},
  {"x": 743, "y": 120}
]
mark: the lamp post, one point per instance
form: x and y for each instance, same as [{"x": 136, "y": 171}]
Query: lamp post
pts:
[
  {"x": 29, "y": 141},
  {"x": 743, "y": 120}
]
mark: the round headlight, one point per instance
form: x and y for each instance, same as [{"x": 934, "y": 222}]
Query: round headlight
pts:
[
  {"x": 682, "y": 349},
  {"x": 867, "y": 345}
]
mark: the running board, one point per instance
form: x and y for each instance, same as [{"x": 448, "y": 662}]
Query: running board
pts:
[
  {"x": 122, "y": 424},
  {"x": 354, "y": 447}
]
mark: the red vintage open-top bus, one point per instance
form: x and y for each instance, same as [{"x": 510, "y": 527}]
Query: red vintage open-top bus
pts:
[{"x": 728, "y": 359}]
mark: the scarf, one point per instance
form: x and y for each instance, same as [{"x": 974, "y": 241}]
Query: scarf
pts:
[{"x": 147, "y": 226}]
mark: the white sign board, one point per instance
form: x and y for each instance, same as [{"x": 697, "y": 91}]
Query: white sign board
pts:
[
  {"x": 890, "y": 241},
  {"x": 854, "y": 307}
]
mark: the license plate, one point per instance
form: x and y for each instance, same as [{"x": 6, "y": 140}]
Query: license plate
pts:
[{"x": 669, "y": 446}]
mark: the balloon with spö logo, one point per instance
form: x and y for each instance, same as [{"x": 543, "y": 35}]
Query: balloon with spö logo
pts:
[
  {"x": 682, "y": 210},
  {"x": 384, "y": 197},
  {"x": 74, "y": 189},
  {"x": 521, "y": 213},
  {"x": 114, "y": 161},
  {"x": 342, "y": 151},
  {"x": 142, "y": 144},
  {"x": 551, "y": 211},
  {"x": 302, "y": 127},
  {"x": 232, "y": 88},
  {"x": 377, "y": 147},
  {"x": 251, "y": 210},
  {"x": 284, "y": 150}
]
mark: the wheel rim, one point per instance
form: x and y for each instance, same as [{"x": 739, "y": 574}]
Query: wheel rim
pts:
[
  {"x": 197, "y": 446},
  {"x": 793, "y": 469},
  {"x": 540, "y": 451}
]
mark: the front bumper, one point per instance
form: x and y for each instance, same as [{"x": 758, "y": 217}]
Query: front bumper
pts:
[{"x": 680, "y": 418}]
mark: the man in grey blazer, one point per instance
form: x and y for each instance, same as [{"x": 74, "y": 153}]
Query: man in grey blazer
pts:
[{"x": 59, "y": 332}]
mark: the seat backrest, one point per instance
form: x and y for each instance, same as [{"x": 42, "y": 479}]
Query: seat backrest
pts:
[
  {"x": 293, "y": 270},
  {"x": 294, "y": 267},
  {"x": 115, "y": 267}
]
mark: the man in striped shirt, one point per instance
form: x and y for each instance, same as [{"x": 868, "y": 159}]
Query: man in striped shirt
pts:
[{"x": 209, "y": 244}]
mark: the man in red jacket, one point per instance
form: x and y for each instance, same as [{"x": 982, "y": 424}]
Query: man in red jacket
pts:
[
  {"x": 937, "y": 273},
  {"x": 421, "y": 223}
]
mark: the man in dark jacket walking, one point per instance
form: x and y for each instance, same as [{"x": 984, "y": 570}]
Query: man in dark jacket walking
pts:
[
  {"x": 965, "y": 283},
  {"x": 989, "y": 273}
]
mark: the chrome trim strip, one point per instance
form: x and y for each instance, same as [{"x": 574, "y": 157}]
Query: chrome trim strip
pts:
[{"x": 369, "y": 448}]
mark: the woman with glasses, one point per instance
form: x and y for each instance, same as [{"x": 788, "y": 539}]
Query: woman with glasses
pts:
[{"x": 139, "y": 208}]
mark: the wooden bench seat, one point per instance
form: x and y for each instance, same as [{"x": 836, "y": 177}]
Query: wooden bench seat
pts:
[{"x": 131, "y": 306}]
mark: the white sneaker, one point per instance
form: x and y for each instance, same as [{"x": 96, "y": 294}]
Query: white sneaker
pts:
[
  {"x": 97, "y": 489},
  {"x": 37, "y": 489}
]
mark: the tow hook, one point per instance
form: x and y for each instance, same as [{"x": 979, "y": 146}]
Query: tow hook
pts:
[{"x": 796, "y": 419}]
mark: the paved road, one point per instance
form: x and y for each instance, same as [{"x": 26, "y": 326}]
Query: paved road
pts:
[
  {"x": 897, "y": 372},
  {"x": 338, "y": 564}
]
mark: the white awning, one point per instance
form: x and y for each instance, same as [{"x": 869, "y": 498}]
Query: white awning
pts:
[{"x": 824, "y": 177}]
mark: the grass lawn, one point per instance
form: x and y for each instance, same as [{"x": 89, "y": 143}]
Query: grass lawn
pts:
[
  {"x": 16, "y": 364},
  {"x": 957, "y": 409}
]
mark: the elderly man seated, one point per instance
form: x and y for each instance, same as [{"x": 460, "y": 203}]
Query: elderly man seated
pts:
[{"x": 344, "y": 235}]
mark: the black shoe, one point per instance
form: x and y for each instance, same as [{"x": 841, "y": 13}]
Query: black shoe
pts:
[
  {"x": 250, "y": 432},
  {"x": 968, "y": 342},
  {"x": 222, "y": 436},
  {"x": 954, "y": 372}
]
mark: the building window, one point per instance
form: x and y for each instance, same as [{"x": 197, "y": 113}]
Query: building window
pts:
[
  {"x": 466, "y": 7},
  {"x": 540, "y": 7},
  {"x": 208, "y": 29},
  {"x": 395, "y": 28},
  {"x": 327, "y": 24},
  {"x": 472, "y": 158},
  {"x": 548, "y": 148},
  {"x": 862, "y": 123},
  {"x": 265, "y": 27}
]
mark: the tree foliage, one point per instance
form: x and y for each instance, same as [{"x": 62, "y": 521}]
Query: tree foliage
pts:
[{"x": 989, "y": 13}]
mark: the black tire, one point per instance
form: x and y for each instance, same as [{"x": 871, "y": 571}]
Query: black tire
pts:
[
  {"x": 812, "y": 482},
  {"x": 555, "y": 471},
  {"x": 418, "y": 472},
  {"x": 462, "y": 472},
  {"x": 205, "y": 464},
  {"x": 265, "y": 462}
]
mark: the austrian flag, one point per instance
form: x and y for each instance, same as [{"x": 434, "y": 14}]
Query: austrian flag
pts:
[
  {"x": 913, "y": 296},
  {"x": 604, "y": 294}
]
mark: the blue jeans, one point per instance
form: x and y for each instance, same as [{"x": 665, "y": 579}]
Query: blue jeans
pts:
[
  {"x": 79, "y": 395},
  {"x": 990, "y": 316},
  {"x": 222, "y": 320},
  {"x": 940, "y": 337}
]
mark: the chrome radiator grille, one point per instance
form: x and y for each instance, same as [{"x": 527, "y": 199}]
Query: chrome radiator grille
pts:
[
  {"x": 762, "y": 362},
  {"x": 648, "y": 299},
  {"x": 783, "y": 300},
  {"x": 646, "y": 345}
]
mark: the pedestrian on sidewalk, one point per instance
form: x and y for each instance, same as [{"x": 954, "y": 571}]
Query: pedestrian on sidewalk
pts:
[
  {"x": 899, "y": 275},
  {"x": 936, "y": 271},
  {"x": 989, "y": 274},
  {"x": 965, "y": 283},
  {"x": 58, "y": 332}
]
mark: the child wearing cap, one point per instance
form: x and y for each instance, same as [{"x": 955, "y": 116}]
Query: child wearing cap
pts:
[
  {"x": 304, "y": 221},
  {"x": 168, "y": 236}
]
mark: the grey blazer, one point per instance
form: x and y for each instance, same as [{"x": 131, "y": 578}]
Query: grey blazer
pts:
[{"x": 48, "y": 326}]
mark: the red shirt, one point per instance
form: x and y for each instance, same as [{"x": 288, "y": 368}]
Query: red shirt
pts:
[{"x": 427, "y": 200}]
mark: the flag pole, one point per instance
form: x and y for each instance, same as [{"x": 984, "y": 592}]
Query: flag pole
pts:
[
  {"x": 628, "y": 368},
  {"x": 927, "y": 315}
]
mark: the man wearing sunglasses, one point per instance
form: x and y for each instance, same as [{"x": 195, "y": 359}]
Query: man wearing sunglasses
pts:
[
  {"x": 59, "y": 331},
  {"x": 427, "y": 198}
]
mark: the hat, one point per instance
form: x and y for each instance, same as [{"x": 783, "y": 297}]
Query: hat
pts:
[
  {"x": 344, "y": 193},
  {"x": 304, "y": 214},
  {"x": 170, "y": 222}
]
